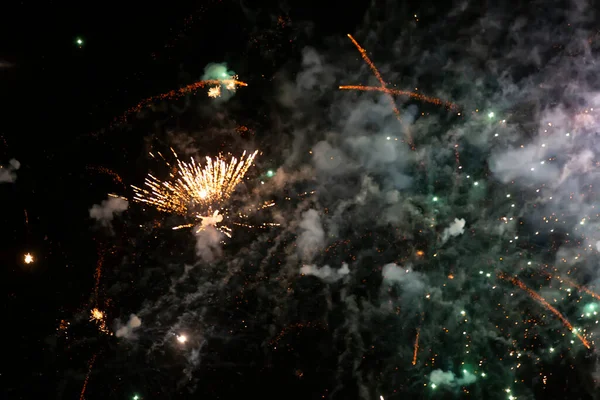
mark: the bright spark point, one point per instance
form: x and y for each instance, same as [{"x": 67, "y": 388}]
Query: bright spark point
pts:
[
  {"x": 270, "y": 173},
  {"x": 214, "y": 92},
  {"x": 136, "y": 397},
  {"x": 79, "y": 42},
  {"x": 182, "y": 338},
  {"x": 491, "y": 114},
  {"x": 28, "y": 258},
  {"x": 99, "y": 317},
  {"x": 435, "y": 198}
]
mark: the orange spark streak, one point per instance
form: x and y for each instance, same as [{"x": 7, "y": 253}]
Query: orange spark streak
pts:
[
  {"x": 548, "y": 306},
  {"x": 575, "y": 285},
  {"x": 174, "y": 94},
  {"x": 582, "y": 288},
  {"x": 103, "y": 170},
  {"x": 365, "y": 57},
  {"x": 98, "y": 275},
  {"x": 428, "y": 99},
  {"x": 416, "y": 349},
  {"x": 87, "y": 377}
]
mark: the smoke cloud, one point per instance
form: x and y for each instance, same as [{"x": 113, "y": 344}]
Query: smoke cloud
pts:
[
  {"x": 440, "y": 378},
  {"x": 106, "y": 211},
  {"x": 8, "y": 173},
  {"x": 126, "y": 330},
  {"x": 208, "y": 242},
  {"x": 311, "y": 236},
  {"x": 326, "y": 273}
]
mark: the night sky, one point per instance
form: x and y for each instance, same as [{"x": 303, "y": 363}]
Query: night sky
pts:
[{"x": 321, "y": 306}]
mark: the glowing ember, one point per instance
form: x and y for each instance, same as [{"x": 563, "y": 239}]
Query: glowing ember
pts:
[
  {"x": 214, "y": 92},
  {"x": 28, "y": 258},
  {"x": 100, "y": 318}
]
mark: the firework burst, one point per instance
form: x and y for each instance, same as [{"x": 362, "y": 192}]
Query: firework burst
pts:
[
  {"x": 99, "y": 317},
  {"x": 197, "y": 191}
]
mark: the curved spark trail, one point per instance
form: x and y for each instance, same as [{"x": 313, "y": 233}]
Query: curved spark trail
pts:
[
  {"x": 548, "y": 306},
  {"x": 230, "y": 84}
]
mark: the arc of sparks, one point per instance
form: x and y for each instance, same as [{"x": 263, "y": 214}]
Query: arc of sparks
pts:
[
  {"x": 230, "y": 84},
  {"x": 548, "y": 306},
  {"x": 422, "y": 97}
]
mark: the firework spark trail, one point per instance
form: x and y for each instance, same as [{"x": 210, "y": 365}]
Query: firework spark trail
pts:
[
  {"x": 103, "y": 170},
  {"x": 98, "y": 275},
  {"x": 87, "y": 377},
  {"x": 416, "y": 348},
  {"x": 174, "y": 94},
  {"x": 547, "y": 305},
  {"x": 428, "y": 99},
  {"x": 575, "y": 285},
  {"x": 365, "y": 57}
]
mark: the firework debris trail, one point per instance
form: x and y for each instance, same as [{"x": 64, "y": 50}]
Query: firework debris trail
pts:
[
  {"x": 574, "y": 284},
  {"x": 87, "y": 377},
  {"x": 422, "y": 97},
  {"x": 230, "y": 84},
  {"x": 416, "y": 348},
  {"x": 548, "y": 306},
  {"x": 98, "y": 275},
  {"x": 365, "y": 57},
  {"x": 103, "y": 170}
]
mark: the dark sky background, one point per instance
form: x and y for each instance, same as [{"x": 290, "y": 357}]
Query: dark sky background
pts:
[
  {"x": 56, "y": 95},
  {"x": 58, "y": 102}
]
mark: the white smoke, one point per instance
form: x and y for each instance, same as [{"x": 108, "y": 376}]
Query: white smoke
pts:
[
  {"x": 326, "y": 273},
  {"x": 208, "y": 241},
  {"x": 440, "y": 378},
  {"x": 8, "y": 172},
  {"x": 411, "y": 281},
  {"x": 455, "y": 229},
  {"x": 312, "y": 237},
  {"x": 126, "y": 330},
  {"x": 106, "y": 211}
]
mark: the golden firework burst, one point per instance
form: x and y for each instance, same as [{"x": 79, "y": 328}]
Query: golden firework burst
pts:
[{"x": 196, "y": 190}]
